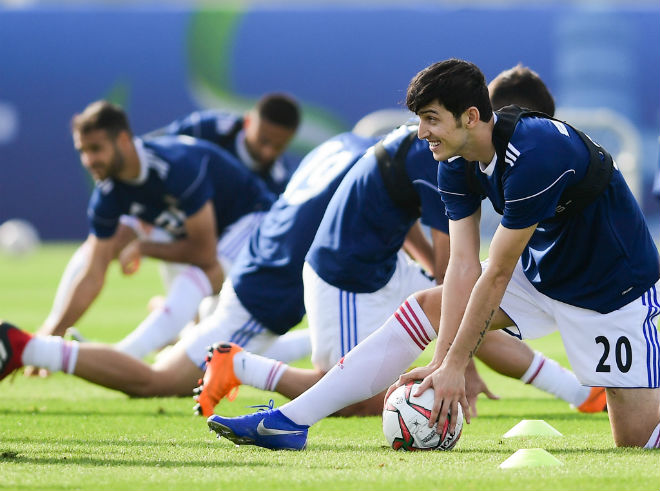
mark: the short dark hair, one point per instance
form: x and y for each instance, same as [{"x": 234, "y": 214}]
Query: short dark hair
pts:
[
  {"x": 521, "y": 86},
  {"x": 455, "y": 84},
  {"x": 280, "y": 109},
  {"x": 101, "y": 115}
]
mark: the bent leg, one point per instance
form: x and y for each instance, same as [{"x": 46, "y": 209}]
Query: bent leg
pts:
[{"x": 634, "y": 414}]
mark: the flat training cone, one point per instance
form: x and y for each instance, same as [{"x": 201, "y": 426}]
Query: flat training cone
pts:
[
  {"x": 529, "y": 457},
  {"x": 532, "y": 427}
]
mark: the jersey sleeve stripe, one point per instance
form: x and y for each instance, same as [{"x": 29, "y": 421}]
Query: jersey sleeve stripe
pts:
[
  {"x": 543, "y": 190},
  {"x": 200, "y": 177}
]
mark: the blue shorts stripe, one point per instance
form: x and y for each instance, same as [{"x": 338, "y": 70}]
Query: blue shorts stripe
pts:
[
  {"x": 650, "y": 299},
  {"x": 341, "y": 323},
  {"x": 355, "y": 330}
]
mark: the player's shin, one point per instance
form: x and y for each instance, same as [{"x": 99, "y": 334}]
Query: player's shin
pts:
[{"x": 367, "y": 369}]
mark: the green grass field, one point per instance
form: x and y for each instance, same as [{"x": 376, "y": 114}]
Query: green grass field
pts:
[{"x": 64, "y": 433}]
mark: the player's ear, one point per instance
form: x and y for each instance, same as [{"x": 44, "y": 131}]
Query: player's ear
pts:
[{"x": 471, "y": 117}]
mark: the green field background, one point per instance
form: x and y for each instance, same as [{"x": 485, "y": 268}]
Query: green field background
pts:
[{"x": 62, "y": 433}]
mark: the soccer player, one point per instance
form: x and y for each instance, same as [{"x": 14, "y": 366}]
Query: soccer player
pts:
[
  {"x": 572, "y": 253},
  {"x": 258, "y": 140},
  {"x": 261, "y": 299},
  {"x": 190, "y": 188}
]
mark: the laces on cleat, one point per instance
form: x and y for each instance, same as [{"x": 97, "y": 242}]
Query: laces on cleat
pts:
[{"x": 264, "y": 407}]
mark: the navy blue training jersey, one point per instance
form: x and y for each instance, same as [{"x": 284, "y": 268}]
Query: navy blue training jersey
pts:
[
  {"x": 226, "y": 130},
  {"x": 357, "y": 242},
  {"x": 601, "y": 258},
  {"x": 178, "y": 175},
  {"x": 267, "y": 275}
]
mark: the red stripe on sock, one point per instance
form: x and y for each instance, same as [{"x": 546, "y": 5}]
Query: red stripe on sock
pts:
[
  {"x": 536, "y": 372},
  {"x": 425, "y": 336},
  {"x": 199, "y": 282},
  {"x": 412, "y": 336},
  {"x": 271, "y": 375},
  {"x": 66, "y": 355},
  {"x": 657, "y": 441}
]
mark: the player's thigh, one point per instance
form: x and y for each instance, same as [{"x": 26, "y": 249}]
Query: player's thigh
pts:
[
  {"x": 340, "y": 319},
  {"x": 617, "y": 349},
  {"x": 229, "y": 322},
  {"x": 524, "y": 312}
]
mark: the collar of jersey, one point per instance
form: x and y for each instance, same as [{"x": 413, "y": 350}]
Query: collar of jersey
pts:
[{"x": 142, "y": 162}]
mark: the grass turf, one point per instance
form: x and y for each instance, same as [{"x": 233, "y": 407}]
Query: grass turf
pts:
[{"x": 64, "y": 433}]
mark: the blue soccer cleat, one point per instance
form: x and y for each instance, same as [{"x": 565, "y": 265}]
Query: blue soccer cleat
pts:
[{"x": 265, "y": 428}]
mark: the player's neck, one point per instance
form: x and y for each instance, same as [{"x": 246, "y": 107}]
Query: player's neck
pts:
[
  {"x": 131, "y": 170},
  {"x": 480, "y": 147}
]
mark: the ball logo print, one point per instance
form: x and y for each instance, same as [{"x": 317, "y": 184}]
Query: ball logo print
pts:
[{"x": 406, "y": 417}]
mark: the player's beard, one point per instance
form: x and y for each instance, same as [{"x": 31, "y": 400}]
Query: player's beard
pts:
[{"x": 117, "y": 164}]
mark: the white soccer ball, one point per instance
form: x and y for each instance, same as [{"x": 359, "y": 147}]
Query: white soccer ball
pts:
[
  {"x": 18, "y": 237},
  {"x": 406, "y": 418}
]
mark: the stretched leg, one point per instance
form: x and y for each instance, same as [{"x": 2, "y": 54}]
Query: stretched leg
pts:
[
  {"x": 101, "y": 364},
  {"x": 164, "y": 324}
]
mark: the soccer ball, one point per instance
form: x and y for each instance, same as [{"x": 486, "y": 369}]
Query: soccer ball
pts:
[
  {"x": 406, "y": 418},
  {"x": 18, "y": 237}
]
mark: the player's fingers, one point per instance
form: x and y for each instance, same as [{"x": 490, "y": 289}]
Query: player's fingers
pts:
[
  {"x": 490, "y": 395},
  {"x": 43, "y": 373},
  {"x": 426, "y": 383},
  {"x": 443, "y": 415},
  {"x": 466, "y": 409},
  {"x": 472, "y": 401}
]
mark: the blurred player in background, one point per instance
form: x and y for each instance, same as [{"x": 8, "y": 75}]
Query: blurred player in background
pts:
[
  {"x": 355, "y": 275},
  {"x": 190, "y": 188},
  {"x": 258, "y": 140},
  {"x": 589, "y": 269},
  {"x": 262, "y": 298}
]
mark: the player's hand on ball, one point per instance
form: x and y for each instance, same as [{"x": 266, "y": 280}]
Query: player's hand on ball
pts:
[
  {"x": 129, "y": 258},
  {"x": 448, "y": 385},
  {"x": 415, "y": 374}
]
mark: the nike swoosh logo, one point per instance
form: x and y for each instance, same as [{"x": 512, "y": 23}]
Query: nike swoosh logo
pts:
[{"x": 263, "y": 431}]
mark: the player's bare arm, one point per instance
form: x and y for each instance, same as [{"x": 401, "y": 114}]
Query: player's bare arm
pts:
[
  {"x": 87, "y": 286},
  {"x": 440, "y": 254},
  {"x": 481, "y": 314},
  {"x": 462, "y": 272},
  {"x": 198, "y": 247},
  {"x": 419, "y": 247}
]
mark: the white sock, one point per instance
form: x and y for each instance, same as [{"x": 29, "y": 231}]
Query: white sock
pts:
[
  {"x": 164, "y": 324},
  {"x": 548, "y": 375},
  {"x": 367, "y": 369},
  {"x": 258, "y": 371},
  {"x": 654, "y": 441},
  {"x": 291, "y": 346},
  {"x": 76, "y": 264},
  {"x": 53, "y": 353}
]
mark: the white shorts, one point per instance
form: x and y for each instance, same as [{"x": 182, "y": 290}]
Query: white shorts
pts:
[
  {"x": 230, "y": 321},
  {"x": 619, "y": 349},
  {"x": 235, "y": 237},
  {"x": 339, "y": 319}
]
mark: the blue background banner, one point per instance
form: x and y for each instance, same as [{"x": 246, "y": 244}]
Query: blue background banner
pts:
[{"x": 340, "y": 62}]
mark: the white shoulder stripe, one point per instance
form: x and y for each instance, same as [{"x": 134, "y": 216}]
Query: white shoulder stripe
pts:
[
  {"x": 543, "y": 190},
  {"x": 198, "y": 179},
  {"x": 449, "y": 192},
  {"x": 513, "y": 150}
]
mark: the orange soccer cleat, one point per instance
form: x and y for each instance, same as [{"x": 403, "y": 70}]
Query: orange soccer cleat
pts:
[
  {"x": 595, "y": 403},
  {"x": 219, "y": 379}
]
